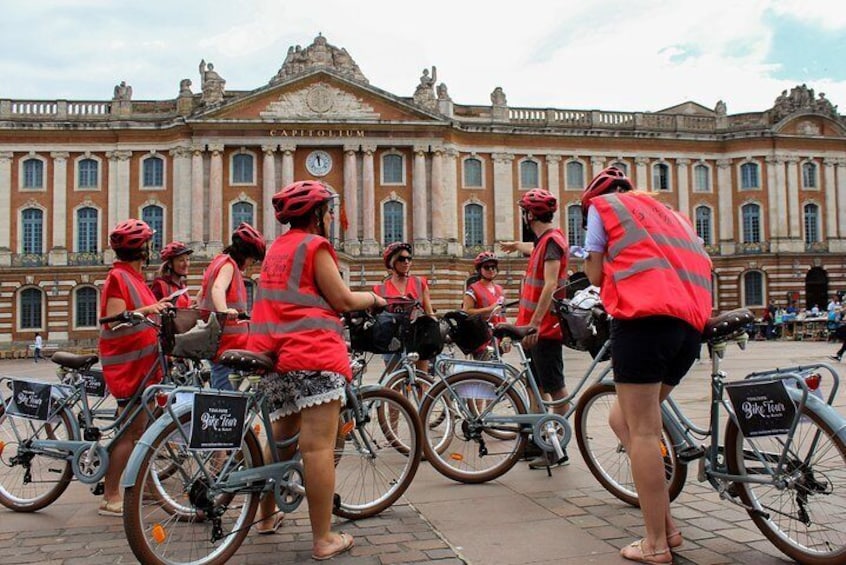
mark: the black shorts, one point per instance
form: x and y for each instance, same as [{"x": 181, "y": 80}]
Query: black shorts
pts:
[
  {"x": 656, "y": 349},
  {"x": 547, "y": 362}
]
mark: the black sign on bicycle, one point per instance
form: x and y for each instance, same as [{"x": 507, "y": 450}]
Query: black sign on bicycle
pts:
[
  {"x": 30, "y": 400},
  {"x": 217, "y": 422},
  {"x": 762, "y": 408},
  {"x": 94, "y": 383}
]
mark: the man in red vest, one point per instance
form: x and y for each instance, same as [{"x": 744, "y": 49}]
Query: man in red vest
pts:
[
  {"x": 655, "y": 281},
  {"x": 546, "y": 271}
]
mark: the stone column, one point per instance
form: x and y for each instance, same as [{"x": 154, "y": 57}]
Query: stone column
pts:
[
  {"x": 794, "y": 214},
  {"x": 287, "y": 150},
  {"x": 419, "y": 203},
  {"x": 840, "y": 173},
  {"x": 437, "y": 201},
  {"x": 830, "y": 199},
  {"x": 504, "y": 201},
  {"x": 268, "y": 189},
  {"x": 450, "y": 202},
  {"x": 59, "y": 249},
  {"x": 369, "y": 245},
  {"x": 352, "y": 245},
  {"x": 726, "y": 207},
  {"x": 123, "y": 182},
  {"x": 554, "y": 186},
  {"x": 6, "y": 208},
  {"x": 775, "y": 209},
  {"x": 197, "y": 197},
  {"x": 216, "y": 243},
  {"x": 596, "y": 166},
  {"x": 183, "y": 209},
  {"x": 641, "y": 179},
  {"x": 683, "y": 173}
]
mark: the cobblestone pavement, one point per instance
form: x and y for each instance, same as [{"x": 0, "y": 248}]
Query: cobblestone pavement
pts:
[{"x": 524, "y": 517}]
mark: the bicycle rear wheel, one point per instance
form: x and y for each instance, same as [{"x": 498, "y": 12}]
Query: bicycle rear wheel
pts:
[
  {"x": 479, "y": 450},
  {"x": 371, "y": 473},
  {"x": 30, "y": 481},
  {"x": 414, "y": 392},
  {"x": 606, "y": 457},
  {"x": 801, "y": 510},
  {"x": 169, "y": 520}
]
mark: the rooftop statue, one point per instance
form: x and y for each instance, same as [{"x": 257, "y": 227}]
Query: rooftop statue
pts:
[
  {"x": 801, "y": 99},
  {"x": 320, "y": 54}
]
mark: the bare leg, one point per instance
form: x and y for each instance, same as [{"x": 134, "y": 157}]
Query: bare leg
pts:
[{"x": 119, "y": 455}]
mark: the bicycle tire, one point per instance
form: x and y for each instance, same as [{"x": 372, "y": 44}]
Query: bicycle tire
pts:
[
  {"x": 468, "y": 459},
  {"x": 817, "y": 474},
  {"x": 181, "y": 523},
  {"x": 415, "y": 393},
  {"x": 370, "y": 473},
  {"x": 605, "y": 456},
  {"x": 55, "y": 474}
]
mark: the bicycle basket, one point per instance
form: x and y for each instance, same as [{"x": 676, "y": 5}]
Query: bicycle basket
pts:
[
  {"x": 468, "y": 332},
  {"x": 199, "y": 342},
  {"x": 382, "y": 333},
  {"x": 584, "y": 325},
  {"x": 425, "y": 337}
]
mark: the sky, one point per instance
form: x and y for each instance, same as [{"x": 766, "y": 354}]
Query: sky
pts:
[{"x": 625, "y": 55}]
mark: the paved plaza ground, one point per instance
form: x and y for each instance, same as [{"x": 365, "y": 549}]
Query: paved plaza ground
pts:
[{"x": 525, "y": 517}]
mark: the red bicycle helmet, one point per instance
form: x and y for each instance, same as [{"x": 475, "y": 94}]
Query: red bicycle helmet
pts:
[
  {"x": 299, "y": 198},
  {"x": 539, "y": 202},
  {"x": 392, "y": 249},
  {"x": 607, "y": 180},
  {"x": 251, "y": 237},
  {"x": 174, "y": 249},
  {"x": 130, "y": 235},
  {"x": 484, "y": 257}
]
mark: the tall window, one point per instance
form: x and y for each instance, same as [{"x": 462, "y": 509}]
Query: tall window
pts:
[
  {"x": 575, "y": 230},
  {"x": 33, "y": 173},
  {"x": 251, "y": 293},
  {"x": 751, "y": 223},
  {"x": 703, "y": 224},
  {"x": 241, "y": 212},
  {"x": 86, "y": 307},
  {"x": 529, "y": 174},
  {"x": 392, "y": 169},
  {"x": 392, "y": 215},
  {"x": 153, "y": 172},
  {"x": 31, "y": 299},
  {"x": 472, "y": 172},
  {"x": 812, "y": 223},
  {"x": 87, "y": 171},
  {"x": 86, "y": 230},
  {"x": 809, "y": 175},
  {"x": 154, "y": 216},
  {"x": 33, "y": 231},
  {"x": 749, "y": 175},
  {"x": 661, "y": 177},
  {"x": 242, "y": 168},
  {"x": 753, "y": 287},
  {"x": 575, "y": 175},
  {"x": 473, "y": 225},
  {"x": 701, "y": 179}
]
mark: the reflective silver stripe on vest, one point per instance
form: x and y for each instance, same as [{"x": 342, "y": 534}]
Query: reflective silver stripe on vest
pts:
[
  {"x": 133, "y": 294},
  {"x": 239, "y": 328},
  {"x": 128, "y": 357},
  {"x": 298, "y": 263},
  {"x": 240, "y": 303},
  {"x": 661, "y": 263},
  {"x": 533, "y": 281},
  {"x": 299, "y": 325},
  {"x": 528, "y": 304},
  {"x": 293, "y": 297}
]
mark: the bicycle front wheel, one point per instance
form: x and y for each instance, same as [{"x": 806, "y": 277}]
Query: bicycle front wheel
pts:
[
  {"x": 606, "y": 457},
  {"x": 802, "y": 507},
  {"x": 185, "y": 517},
  {"x": 30, "y": 481},
  {"x": 371, "y": 473}
]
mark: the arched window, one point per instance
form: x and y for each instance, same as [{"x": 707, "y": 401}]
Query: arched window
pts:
[
  {"x": 575, "y": 174},
  {"x": 392, "y": 169},
  {"x": 749, "y": 175},
  {"x": 529, "y": 176},
  {"x": 703, "y": 224},
  {"x": 701, "y": 179},
  {"x": 30, "y": 315},
  {"x": 753, "y": 289},
  {"x": 575, "y": 231},
  {"x": 751, "y": 223},
  {"x": 392, "y": 217},
  {"x": 154, "y": 216},
  {"x": 809, "y": 175},
  {"x": 33, "y": 231},
  {"x": 33, "y": 173},
  {"x": 242, "y": 212},
  {"x": 86, "y": 230},
  {"x": 472, "y": 173},
  {"x": 86, "y": 307},
  {"x": 87, "y": 169},
  {"x": 812, "y": 223},
  {"x": 474, "y": 227},
  {"x": 242, "y": 168},
  {"x": 661, "y": 176},
  {"x": 153, "y": 172}
]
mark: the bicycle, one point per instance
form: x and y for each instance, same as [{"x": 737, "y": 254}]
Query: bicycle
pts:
[
  {"x": 791, "y": 480},
  {"x": 210, "y": 503}
]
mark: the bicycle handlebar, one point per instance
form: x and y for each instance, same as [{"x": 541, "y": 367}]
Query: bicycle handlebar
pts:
[{"x": 126, "y": 317}]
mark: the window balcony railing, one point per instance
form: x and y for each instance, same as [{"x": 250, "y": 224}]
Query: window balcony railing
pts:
[
  {"x": 470, "y": 251},
  {"x": 757, "y": 247},
  {"x": 712, "y": 249},
  {"x": 816, "y": 246},
  {"x": 29, "y": 259},
  {"x": 81, "y": 259}
]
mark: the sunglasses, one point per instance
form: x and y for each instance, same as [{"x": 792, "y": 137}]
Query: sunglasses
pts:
[
  {"x": 490, "y": 267},
  {"x": 404, "y": 258}
]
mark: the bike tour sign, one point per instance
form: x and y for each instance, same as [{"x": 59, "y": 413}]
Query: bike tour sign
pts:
[{"x": 217, "y": 422}]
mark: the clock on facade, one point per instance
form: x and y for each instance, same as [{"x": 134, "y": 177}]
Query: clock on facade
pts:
[{"x": 318, "y": 163}]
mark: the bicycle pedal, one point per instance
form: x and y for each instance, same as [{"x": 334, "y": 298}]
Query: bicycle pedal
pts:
[{"x": 689, "y": 454}]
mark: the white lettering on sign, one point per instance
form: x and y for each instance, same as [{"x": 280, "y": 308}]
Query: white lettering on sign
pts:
[
  {"x": 317, "y": 133},
  {"x": 218, "y": 419},
  {"x": 763, "y": 407},
  {"x": 29, "y": 399}
]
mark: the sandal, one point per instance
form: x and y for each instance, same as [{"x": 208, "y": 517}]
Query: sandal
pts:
[
  {"x": 349, "y": 542},
  {"x": 277, "y": 523},
  {"x": 634, "y": 552},
  {"x": 112, "y": 509},
  {"x": 675, "y": 539}
]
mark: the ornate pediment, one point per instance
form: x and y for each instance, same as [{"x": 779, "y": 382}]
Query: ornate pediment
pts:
[
  {"x": 801, "y": 99},
  {"x": 319, "y": 101},
  {"x": 319, "y": 55}
]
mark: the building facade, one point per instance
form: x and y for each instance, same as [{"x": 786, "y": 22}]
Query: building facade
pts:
[{"x": 766, "y": 190}]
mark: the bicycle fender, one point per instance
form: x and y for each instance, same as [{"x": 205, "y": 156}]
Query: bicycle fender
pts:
[
  {"x": 825, "y": 411},
  {"x": 145, "y": 444}
]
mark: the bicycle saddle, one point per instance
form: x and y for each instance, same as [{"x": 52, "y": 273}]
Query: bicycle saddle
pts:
[
  {"x": 74, "y": 361},
  {"x": 514, "y": 332},
  {"x": 727, "y": 323},
  {"x": 243, "y": 360}
]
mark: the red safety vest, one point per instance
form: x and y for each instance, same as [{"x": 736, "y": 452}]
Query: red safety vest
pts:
[
  {"x": 234, "y": 334},
  {"x": 484, "y": 298},
  {"x": 127, "y": 353},
  {"x": 533, "y": 285},
  {"x": 165, "y": 286},
  {"x": 414, "y": 288},
  {"x": 290, "y": 316},
  {"x": 655, "y": 264}
]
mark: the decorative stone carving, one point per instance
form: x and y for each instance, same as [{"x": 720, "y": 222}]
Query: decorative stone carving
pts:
[
  {"x": 213, "y": 83},
  {"x": 807, "y": 127},
  {"x": 319, "y": 101},
  {"x": 801, "y": 99},
  {"x": 498, "y": 97},
  {"x": 443, "y": 94},
  {"x": 424, "y": 94},
  {"x": 122, "y": 91},
  {"x": 720, "y": 108},
  {"x": 185, "y": 87},
  {"x": 320, "y": 54}
]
